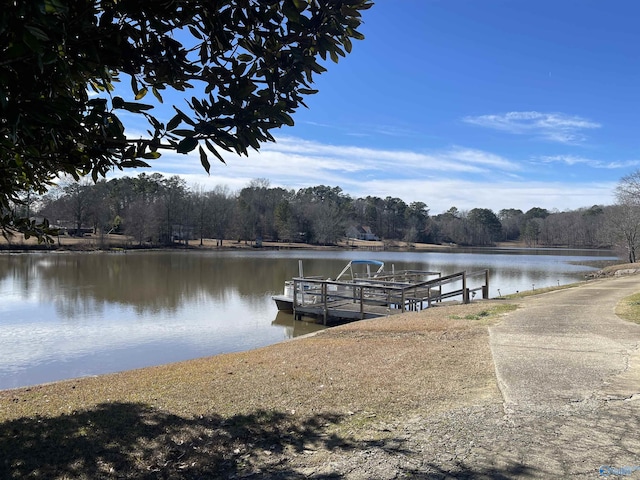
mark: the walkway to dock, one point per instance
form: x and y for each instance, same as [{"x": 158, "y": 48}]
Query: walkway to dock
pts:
[
  {"x": 383, "y": 295},
  {"x": 566, "y": 345}
]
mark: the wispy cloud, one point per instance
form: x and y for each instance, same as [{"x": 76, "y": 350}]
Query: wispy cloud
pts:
[
  {"x": 442, "y": 193},
  {"x": 367, "y": 130},
  {"x": 454, "y": 176},
  {"x": 555, "y": 127},
  {"x": 395, "y": 162},
  {"x": 577, "y": 160}
]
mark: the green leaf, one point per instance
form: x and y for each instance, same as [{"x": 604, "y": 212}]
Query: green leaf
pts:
[
  {"x": 245, "y": 89},
  {"x": 53, "y": 6},
  {"x": 134, "y": 85},
  {"x": 135, "y": 163},
  {"x": 184, "y": 117},
  {"x": 136, "y": 107},
  {"x": 151, "y": 155},
  {"x": 213, "y": 150},
  {"x": 291, "y": 11},
  {"x": 187, "y": 145},
  {"x": 286, "y": 119},
  {"x": 174, "y": 122},
  {"x": 130, "y": 152},
  {"x": 355, "y": 34},
  {"x": 141, "y": 93},
  {"x": 36, "y": 32},
  {"x": 346, "y": 41},
  {"x": 99, "y": 103},
  {"x": 184, "y": 133},
  {"x": 31, "y": 41},
  {"x": 204, "y": 160},
  {"x": 117, "y": 102},
  {"x": 195, "y": 32},
  {"x": 156, "y": 94},
  {"x": 301, "y": 5}
]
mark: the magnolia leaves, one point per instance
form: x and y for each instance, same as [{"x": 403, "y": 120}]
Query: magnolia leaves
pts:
[{"x": 67, "y": 65}]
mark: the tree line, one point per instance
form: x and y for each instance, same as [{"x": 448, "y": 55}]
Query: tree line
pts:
[{"x": 154, "y": 210}]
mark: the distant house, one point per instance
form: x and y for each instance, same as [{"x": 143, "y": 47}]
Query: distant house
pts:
[
  {"x": 361, "y": 232},
  {"x": 181, "y": 233},
  {"x": 71, "y": 228}
]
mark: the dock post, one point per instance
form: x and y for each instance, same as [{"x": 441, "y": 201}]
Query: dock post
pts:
[
  {"x": 324, "y": 304},
  {"x": 295, "y": 297},
  {"x": 485, "y": 287},
  {"x": 465, "y": 291},
  {"x": 361, "y": 303}
]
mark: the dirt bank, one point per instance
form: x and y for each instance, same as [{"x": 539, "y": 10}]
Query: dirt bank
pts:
[
  {"x": 410, "y": 396},
  {"x": 106, "y": 242},
  {"x": 280, "y": 409}
]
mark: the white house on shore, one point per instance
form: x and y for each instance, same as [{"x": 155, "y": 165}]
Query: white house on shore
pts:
[{"x": 361, "y": 232}]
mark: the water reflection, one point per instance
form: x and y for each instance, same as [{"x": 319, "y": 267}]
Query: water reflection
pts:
[
  {"x": 64, "y": 315},
  {"x": 294, "y": 327}
]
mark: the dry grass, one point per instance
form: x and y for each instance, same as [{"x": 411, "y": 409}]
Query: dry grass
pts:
[
  {"x": 489, "y": 314},
  {"x": 539, "y": 291},
  {"x": 93, "y": 242},
  {"x": 629, "y": 308},
  {"x": 241, "y": 412},
  {"x": 380, "y": 365},
  {"x": 612, "y": 269}
]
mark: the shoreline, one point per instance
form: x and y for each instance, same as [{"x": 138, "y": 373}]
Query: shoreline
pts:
[
  {"x": 379, "y": 398},
  {"x": 594, "y": 274},
  {"x": 607, "y": 271},
  {"x": 117, "y": 243},
  {"x": 113, "y": 242}
]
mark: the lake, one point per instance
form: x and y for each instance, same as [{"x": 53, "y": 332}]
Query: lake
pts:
[{"x": 67, "y": 315}]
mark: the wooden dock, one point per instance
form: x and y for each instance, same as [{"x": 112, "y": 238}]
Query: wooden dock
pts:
[{"x": 388, "y": 294}]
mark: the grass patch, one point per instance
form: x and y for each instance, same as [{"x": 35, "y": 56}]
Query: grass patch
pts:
[
  {"x": 539, "y": 291},
  {"x": 629, "y": 308},
  {"x": 488, "y": 313}
]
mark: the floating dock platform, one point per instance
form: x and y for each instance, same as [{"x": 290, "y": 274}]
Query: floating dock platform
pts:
[{"x": 334, "y": 302}]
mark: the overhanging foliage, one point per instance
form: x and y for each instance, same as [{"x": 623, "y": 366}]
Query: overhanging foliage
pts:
[{"x": 251, "y": 63}]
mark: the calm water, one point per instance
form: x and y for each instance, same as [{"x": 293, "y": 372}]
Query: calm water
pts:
[{"x": 66, "y": 315}]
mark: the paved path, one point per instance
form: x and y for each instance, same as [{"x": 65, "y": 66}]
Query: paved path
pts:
[
  {"x": 569, "y": 372},
  {"x": 568, "y": 346}
]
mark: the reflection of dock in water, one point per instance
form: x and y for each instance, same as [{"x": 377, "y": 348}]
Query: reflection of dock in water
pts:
[{"x": 296, "y": 328}]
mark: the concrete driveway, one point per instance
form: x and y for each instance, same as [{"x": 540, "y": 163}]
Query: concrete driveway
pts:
[{"x": 568, "y": 346}]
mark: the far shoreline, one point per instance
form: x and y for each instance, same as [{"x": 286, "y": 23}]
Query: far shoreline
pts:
[{"x": 111, "y": 242}]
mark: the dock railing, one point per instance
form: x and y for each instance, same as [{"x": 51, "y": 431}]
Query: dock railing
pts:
[{"x": 383, "y": 295}]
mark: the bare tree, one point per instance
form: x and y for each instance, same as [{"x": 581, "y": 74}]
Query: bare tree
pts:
[
  {"x": 624, "y": 223},
  {"x": 221, "y": 208},
  {"x": 624, "y": 217}
]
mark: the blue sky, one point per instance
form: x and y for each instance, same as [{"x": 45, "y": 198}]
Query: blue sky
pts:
[{"x": 466, "y": 103}]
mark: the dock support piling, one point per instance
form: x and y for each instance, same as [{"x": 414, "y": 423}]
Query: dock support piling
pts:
[
  {"x": 324, "y": 304},
  {"x": 465, "y": 290},
  {"x": 485, "y": 287}
]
